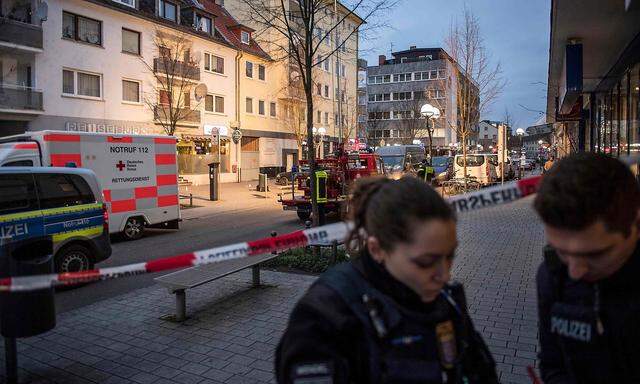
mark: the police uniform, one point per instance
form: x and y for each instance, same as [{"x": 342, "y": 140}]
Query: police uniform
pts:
[
  {"x": 357, "y": 324},
  {"x": 589, "y": 333}
]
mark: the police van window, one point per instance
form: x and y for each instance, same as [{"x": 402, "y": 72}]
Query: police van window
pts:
[
  {"x": 17, "y": 194},
  {"x": 59, "y": 190},
  {"x": 19, "y": 163}
]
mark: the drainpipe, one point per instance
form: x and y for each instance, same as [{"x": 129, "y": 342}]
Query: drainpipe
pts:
[{"x": 238, "y": 146}]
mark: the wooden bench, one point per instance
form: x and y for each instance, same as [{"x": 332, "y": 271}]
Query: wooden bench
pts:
[{"x": 179, "y": 282}]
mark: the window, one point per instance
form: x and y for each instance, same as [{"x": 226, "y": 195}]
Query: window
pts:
[
  {"x": 362, "y": 100},
  {"x": 203, "y": 24},
  {"x": 245, "y": 37},
  {"x": 128, "y": 3},
  {"x": 164, "y": 52},
  {"x": 213, "y": 63},
  {"x": 272, "y": 109},
  {"x": 214, "y": 104},
  {"x": 261, "y": 72},
  {"x": 442, "y": 73},
  {"x": 326, "y": 91},
  {"x": 343, "y": 70},
  {"x": 326, "y": 117},
  {"x": 250, "y": 144},
  {"x": 164, "y": 97},
  {"x": 249, "y": 105},
  {"x": 59, "y": 190},
  {"x": 17, "y": 194},
  {"x": 319, "y": 117},
  {"x": 131, "y": 91},
  {"x": 261, "y": 110},
  {"x": 130, "y": 41},
  {"x": 402, "y": 96},
  {"x": 249, "y": 69},
  {"x": 327, "y": 65},
  {"x": 319, "y": 89},
  {"x": 75, "y": 83},
  {"x": 167, "y": 10},
  {"x": 81, "y": 28},
  {"x": 19, "y": 163},
  {"x": 402, "y": 77}
]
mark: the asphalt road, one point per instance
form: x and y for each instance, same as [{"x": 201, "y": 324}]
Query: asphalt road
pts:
[{"x": 195, "y": 234}]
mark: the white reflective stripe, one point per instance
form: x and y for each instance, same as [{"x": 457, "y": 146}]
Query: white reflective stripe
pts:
[
  {"x": 327, "y": 234},
  {"x": 31, "y": 283},
  {"x": 227, "y": 252}
]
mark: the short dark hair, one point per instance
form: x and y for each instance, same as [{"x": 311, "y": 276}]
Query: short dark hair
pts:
[
  {"x": 388, "y": 209},
  {"x": 586, "y": 187}
]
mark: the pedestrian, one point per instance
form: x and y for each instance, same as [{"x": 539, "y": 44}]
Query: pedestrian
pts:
[
  {"x": 548, "y": 165},
  {"x": 426, "y": 171},
  {"x": 588, "y": 286},
  {"x": 390, "y": 315}
]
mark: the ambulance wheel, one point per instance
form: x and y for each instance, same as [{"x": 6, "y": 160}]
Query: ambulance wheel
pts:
[
  {"x": 304, "y": 215},
  {"x": 133, "y": 229},
  {"x": 74, "y": 258}
]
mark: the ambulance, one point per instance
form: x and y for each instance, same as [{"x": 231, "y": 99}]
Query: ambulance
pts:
[{"x": 138, "y": 173}]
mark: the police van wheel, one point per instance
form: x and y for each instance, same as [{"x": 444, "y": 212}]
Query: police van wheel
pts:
[
  {"x": 133, "y": 229},
  {"x": 304, "y": 215},
  {"x": 74, "y": 258}
]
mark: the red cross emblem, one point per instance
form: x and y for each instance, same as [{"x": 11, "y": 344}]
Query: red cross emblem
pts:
[{"x": 120, "y": 165}]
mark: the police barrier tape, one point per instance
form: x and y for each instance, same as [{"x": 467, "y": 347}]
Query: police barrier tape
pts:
[{"x": 492, "y": 196}]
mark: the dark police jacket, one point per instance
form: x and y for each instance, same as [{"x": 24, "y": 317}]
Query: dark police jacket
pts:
[
  {"x": 334, "y": 337},
  {"x": 589, "y": 333}
]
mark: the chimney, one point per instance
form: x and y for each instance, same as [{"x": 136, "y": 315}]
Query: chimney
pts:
[
  {"x": 413, "y": 47},
  {"x": 382, "y": 59}
]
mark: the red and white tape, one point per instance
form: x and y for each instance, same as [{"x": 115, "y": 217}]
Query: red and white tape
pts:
[{"x": 492, "y": 196}]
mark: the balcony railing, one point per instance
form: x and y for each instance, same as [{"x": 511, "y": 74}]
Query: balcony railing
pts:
[
  {"x": 20, "y": 33},
  {"x": 20, "y": 99},
  {"x": 177, "y": 68},
  {"x": 186, "y": 115}
]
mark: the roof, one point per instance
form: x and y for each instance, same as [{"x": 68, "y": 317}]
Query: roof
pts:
[{"x": 224, "y": 23}]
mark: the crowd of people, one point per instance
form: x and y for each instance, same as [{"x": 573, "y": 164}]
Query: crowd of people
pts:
[{"x": 393, "y": 314}]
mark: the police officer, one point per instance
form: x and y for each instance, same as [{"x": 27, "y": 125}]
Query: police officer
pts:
[
  {"x": 390, "y": 315},
  {"x": 589, "y": 282},
  {"x": 426, "y": 171}
]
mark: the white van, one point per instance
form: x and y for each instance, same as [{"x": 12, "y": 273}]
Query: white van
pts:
[
  {"x": 479, "y": 166},
  {"x": 138, "y": 173}
]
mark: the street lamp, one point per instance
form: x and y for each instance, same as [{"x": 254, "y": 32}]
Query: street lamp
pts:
[
  {"x": 520, "y": 133},
  {"x": 429, "y": 112}
]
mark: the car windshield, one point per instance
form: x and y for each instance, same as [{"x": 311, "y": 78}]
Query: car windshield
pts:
[
  {"x": 472, "y": 160},
  {"x": 393, "y": 163},
  {"x": 439, "y": 161}
]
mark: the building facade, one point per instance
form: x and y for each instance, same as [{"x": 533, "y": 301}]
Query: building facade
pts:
[
  {"x": 131, "y": 66},
  {"x": 593, "y": 96},
  {"x": 488, "y": 134},
  {"x": 398, "y": 87},
  {"x": 362, "y": 101}
]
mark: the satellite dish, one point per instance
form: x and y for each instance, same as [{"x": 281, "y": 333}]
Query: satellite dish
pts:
[
  {"x": 42, "y": 11},
  {"x": 200, "y": 91}
]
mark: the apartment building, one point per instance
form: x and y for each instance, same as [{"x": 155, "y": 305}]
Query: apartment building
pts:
[
  {"x": 334, "y": 75},
  {"x": 398, "y": 87},
  {"x": 362, "y": 101}
]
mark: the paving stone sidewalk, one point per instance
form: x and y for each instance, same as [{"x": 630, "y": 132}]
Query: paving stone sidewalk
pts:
[{"x": 234, "y": 329}]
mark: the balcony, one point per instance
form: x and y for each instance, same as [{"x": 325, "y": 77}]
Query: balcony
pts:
[
  {"x": 20, "y": 100},
  {"x": 20, "y": 35},
  {"x": 187, "y": 116},
  {"x": 177, "y": 68}
]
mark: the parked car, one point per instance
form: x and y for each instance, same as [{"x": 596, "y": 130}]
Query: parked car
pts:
[
  {"x": 284, "y": 178},
  {"x": 443, "y": 168},
  {"x": 64, "y": 203},
  {"x": 479, "y": 166}
]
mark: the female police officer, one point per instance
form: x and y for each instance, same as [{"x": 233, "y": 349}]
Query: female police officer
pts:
[{"x": 389, "y": 316}]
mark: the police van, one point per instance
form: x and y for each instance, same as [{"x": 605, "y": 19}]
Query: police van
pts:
[
  {"x": 138, "y": 173},
  {"x": 64, "y": 203}
]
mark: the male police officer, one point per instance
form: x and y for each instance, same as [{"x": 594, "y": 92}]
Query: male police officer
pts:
[{"x": 589, "y": 282}]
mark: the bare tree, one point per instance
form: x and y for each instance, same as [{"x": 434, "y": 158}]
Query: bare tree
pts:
[
  {"x": 479, "y": 82},
  {"x": 301, "y": 33},
  {"x": 175, "y": 75}
]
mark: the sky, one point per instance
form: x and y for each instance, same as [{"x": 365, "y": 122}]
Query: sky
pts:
[{"x": 515, "y": 32}]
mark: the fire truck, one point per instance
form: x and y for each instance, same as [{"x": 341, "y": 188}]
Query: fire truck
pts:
[{"x": 335, "y": 175}]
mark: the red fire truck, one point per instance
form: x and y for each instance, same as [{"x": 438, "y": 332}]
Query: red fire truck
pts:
[{"x": 338, "y": 172}]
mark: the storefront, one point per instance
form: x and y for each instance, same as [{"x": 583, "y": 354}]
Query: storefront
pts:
[{"x": 594, "y": 77}]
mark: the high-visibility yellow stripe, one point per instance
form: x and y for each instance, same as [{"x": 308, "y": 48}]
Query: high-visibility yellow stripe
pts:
[
  {"x": 84, "y": 232},
  {"x": 49, "y": 212}
]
